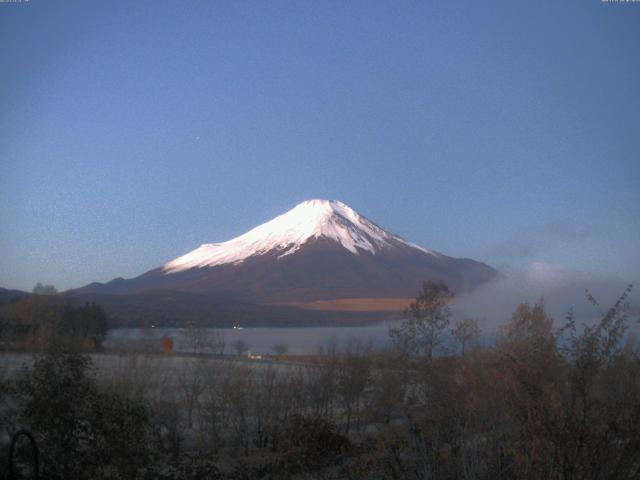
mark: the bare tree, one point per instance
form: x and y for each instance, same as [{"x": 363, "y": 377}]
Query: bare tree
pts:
[
  {"x": 354, "y": 373},
  {"x": 238, "y": 394},
  {"x": 466, "y": 332},
  {"x": 389, "y": 385},
  {"x": 321, "y": 381},
  {"x": 149, "y": 341},
  {"x": 280, "y": 349},
  {"x": 203, "y": 340},
  {"x": 217, "y": 342},
  {"x": 191, "y": 385},
  {"x": 240, "y": 346}
]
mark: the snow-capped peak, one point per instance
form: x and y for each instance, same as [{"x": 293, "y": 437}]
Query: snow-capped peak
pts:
[{"x": 286, "y": 233}]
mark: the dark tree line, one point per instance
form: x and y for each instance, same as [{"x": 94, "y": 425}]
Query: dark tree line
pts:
[{"x": 32, "y": 322}]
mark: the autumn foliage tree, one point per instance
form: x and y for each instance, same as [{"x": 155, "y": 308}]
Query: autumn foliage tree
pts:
[
  {"x": 425, "y": 321},
  {"x": 574, "y": 394}
]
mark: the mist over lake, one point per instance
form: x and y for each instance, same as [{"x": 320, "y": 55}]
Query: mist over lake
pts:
[{"x": 298, "y": 340}]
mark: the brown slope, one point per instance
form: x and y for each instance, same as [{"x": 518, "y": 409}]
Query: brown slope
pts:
[{"x": 320, "y": 270}]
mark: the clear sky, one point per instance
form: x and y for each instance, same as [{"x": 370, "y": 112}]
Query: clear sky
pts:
[{"x": 133, "y": 131}]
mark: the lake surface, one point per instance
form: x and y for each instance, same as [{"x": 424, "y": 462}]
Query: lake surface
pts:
[{"x": 297, "y": 340}]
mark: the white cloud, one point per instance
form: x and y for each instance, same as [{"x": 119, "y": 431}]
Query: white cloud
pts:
[
  {"x": 561, "y": 287},
  {"x": 551, "y": 274}
]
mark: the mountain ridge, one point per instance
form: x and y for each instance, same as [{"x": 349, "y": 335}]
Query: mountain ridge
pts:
[{"x": 320, "y": 253}]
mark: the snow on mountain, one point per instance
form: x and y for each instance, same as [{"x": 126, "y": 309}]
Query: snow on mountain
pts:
[{"x": 286, "y": 233}]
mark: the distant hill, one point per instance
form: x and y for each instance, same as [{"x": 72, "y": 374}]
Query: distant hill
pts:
[{"x": 9, "y": 295}]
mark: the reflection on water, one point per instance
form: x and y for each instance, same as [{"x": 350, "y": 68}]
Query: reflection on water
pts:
[{"x": 298, "y": 341}]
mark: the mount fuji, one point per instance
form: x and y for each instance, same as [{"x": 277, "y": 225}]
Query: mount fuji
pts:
[{"x": 320, "y": 255}]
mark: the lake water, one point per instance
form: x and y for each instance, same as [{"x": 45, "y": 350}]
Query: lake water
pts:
[{"x": 300, "y": 341}]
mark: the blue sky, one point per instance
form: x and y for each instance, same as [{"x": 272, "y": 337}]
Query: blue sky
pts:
[{"x": 132, "y": 132}]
